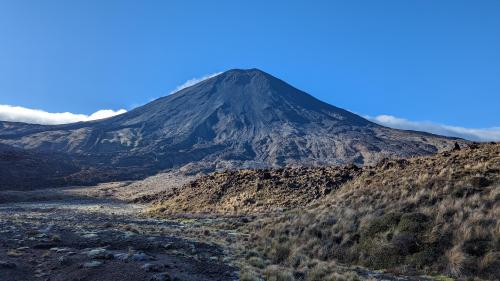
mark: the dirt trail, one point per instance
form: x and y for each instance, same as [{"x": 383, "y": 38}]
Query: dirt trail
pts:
[{"x": 99, "y": 239}]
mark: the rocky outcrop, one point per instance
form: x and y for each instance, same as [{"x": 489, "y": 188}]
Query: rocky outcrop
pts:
[{"x": 253, "y": 191}]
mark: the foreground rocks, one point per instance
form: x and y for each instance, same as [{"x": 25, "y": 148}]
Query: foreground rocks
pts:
[{"x": 89, "y": 240}]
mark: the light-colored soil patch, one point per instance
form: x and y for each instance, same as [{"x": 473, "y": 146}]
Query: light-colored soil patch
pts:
[{"x": 129, "y": 191}]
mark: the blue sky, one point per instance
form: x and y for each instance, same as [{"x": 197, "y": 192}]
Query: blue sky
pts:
[{"x": 435, "y": 61}]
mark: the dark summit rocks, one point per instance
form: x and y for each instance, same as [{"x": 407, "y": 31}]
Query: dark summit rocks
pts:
[{"x": 238, "y": 119}]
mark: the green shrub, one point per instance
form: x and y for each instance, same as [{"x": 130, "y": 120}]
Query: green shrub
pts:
[
  {"x": 382, "y": 224},
  {"x": 476, "y": 247},
  {"x": 423, "y": 258},
  {"x": 406, "y": 243},
  {"x": 413, "y": 223},
  {"x": 257, "y": 262}
]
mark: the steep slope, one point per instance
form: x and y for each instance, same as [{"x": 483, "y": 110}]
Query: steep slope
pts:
[{"x": 238, "y": 119}]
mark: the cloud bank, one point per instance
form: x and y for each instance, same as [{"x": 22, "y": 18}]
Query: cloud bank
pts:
[
  {"x": 482, "y": 134},
  {"x": 193, "y": 81},
  {"x": 36, "y": 116}
]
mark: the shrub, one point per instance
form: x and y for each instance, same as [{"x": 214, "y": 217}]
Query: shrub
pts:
[
  {"x": 405, "y": 243},
  {"x": 456, "y": 260},
  {"x": 382, "y": 224},
  {"x": 381, "y": 255},
  {"x": 413, "y": 222},
  {"x": 256, "y": 262},
  {"x": 423, "y": 258},
  {"x": 479, "y": 181},
  {"x": 317, "y": 273},
  {"x": 248, "y": 276},
  {"x": 476, "y": 247},
  {"x": 490, "y": 264},
  {"x": 275, "y": 273},
  {"x": 279, "y": 252}
]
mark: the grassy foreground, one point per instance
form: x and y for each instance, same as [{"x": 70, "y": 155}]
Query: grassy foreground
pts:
[{"x": 428, "y": 215}]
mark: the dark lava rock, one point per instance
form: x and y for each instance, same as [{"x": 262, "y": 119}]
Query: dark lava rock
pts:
[
  {"x": 7, "y": 265},
  {"x": 164, "y": 276}
]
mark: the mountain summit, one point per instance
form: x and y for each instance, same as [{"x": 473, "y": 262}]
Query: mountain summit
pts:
[{"x": 237, "y": 119}]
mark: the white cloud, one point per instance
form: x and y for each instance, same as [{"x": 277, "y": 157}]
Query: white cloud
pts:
[
  {"x": 36, "y": 116},
  {"x": 193, "y": 81},
  {"x": 482, "y": 134}
]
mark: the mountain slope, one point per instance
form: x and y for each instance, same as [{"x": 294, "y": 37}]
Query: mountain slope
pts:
[{"x": 238, "y": 119}]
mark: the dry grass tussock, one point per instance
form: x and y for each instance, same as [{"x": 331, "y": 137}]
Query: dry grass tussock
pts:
[{"x": 432, "y": 215}]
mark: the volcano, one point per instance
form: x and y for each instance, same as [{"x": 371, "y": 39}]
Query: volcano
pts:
[{"x": 236, "y": 120}]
